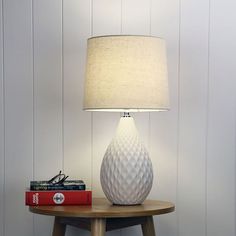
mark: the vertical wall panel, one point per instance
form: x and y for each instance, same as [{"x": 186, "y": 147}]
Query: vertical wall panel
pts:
[
  {"x": 48, "y": 96},
  {"x": 136, "y": 17},
  {"x": 192, "y": 117},
  {"x": 19, "y": 114},
  {"x": 164, "y": 125},
  {"x": 106, "y": 21},
  {"x": 77, "y": 123},
  {"x": 221, "y": 128},
  {"x": 136, "y": 21},
  {"x": 1, "y": 126}
]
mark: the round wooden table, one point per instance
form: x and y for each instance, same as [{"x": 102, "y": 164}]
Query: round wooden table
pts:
[{"x": 102, "y": 216}]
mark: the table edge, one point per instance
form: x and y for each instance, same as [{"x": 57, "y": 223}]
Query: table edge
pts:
[{"x": 35, "y": 210}]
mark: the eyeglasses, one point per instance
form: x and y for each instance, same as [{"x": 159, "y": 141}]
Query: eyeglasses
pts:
[{"x": 58, "y": 179}]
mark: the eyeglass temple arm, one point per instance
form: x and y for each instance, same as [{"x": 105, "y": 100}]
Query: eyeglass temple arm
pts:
[
  {"x": 54, "y": 177},
  {"x": 62, "y": 180}
]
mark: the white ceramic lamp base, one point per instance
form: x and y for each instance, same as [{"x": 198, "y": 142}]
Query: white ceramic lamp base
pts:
[{"x": 126, "y": 171}]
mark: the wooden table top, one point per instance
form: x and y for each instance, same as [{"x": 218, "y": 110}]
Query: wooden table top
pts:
[{"x": 102, "y": 208}]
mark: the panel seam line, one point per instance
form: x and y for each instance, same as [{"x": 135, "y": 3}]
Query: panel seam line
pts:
[
  {"x": 178, "y": 123},
  {"x": 4, "y": 121},
  {"x": 207, "y": 119},
  {"x": 33, "y": 93},
  {"x": 62, "y": 88}
]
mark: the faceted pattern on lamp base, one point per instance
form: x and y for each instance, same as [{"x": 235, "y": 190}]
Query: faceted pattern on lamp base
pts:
[{"x": 126, "y": 171}]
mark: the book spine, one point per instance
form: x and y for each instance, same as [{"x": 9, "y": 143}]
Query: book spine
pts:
[
  {"x": 35, "y": 198},
  {"x": 57, "y": 187},
  {"x": 34, "y": 182}
]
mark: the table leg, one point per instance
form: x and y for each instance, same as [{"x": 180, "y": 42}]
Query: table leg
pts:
[
  {"x": 148, "y": 227},
  {"x": 98, "y": 227},
  {"x": 58, "y": 228}
]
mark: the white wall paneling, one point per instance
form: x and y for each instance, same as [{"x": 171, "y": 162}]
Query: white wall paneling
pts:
[
  {"x": 164, "y": 125},
  {"x": 18, "y": 114},
  {"x": 48, "y": 159},
  {"x": 43, "y": 128},
  {"x": 221, "y": 121},
  {"x": 77, "y": 123},
  {"x": 193, "y": 87},
  {"x": 1, "y": 126}
]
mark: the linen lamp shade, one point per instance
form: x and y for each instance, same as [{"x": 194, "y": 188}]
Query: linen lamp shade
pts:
[{"x": 126, "y": 73}]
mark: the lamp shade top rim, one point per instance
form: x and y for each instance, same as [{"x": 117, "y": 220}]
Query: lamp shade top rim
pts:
[{"x": 124, "y": 36}]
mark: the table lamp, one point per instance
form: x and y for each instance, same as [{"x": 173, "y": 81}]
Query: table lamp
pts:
[{"x": 126, "y": 73}]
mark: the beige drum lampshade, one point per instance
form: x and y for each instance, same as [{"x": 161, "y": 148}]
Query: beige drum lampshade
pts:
[{"x": 126, "y": 73}]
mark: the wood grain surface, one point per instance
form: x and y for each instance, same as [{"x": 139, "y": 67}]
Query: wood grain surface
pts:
[{"x": 104, "y": 209}]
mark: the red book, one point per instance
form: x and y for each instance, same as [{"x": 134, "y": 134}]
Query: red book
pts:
[{"x": 39, "y": 198}]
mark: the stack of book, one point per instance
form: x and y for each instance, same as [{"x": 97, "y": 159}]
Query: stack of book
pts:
[{"x": 70, "y": 192}]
